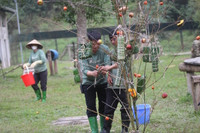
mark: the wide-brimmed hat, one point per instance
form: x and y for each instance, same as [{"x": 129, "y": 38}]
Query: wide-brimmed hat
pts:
[{"x": 34, "y": 42}]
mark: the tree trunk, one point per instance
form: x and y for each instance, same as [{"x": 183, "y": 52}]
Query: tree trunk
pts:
[{"x": 81, "y": 25}]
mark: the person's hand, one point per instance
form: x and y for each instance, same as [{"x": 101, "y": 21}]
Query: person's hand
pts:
[
  {"x": 109, "y": 80},
  {"x": 26, "y": 65},
  {"x": 94, "y": 73},
  {"x": 104, "y": 69}
]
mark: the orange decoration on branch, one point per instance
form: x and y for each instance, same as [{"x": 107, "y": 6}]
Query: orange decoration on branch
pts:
[
  {"x": 65, "y": 8},
  {"x": 97, "y": 66},
  {"x": 120, "y": 15},
  {"x": 130, "y": 90},
  {"x": 135, "y": 74},
  {"x": 129, "y": 47},
  {"x": 131, "y": 15},
  {"x": 107, "y": 118},
  {"x": 40, "y": 2},
  {"x": 145, "y": 2},
  {"x": 164, "y": 95},
  {"x": 139, "y": 75},
  {"x": 143, "y": 40},
  {"x": 198, "y": 38},
  {"x": 99, "y": 41},
  {"x": 118, "y": 32},
  {"x": 152, "y": 87}
]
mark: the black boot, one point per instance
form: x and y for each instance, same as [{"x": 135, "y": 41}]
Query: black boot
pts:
[
  {"x": 103, "y": 131},
  {"x": 125, "y": 122},
  {"x": 107, "y": 124}
]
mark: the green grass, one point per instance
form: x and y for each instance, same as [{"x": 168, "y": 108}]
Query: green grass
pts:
[
  {"x": 171, "y": 115},
  {"x": 171, "y": 42}
]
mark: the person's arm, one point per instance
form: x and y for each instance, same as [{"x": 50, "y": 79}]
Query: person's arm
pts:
[
  {"x": 36, "y": 63},
  {"x": 107, "y": 62},
  {"x": 109, "y": 80},
  {"x": 86, "y": 69},
  {"x": 114, "y": 66},
  {"x": 92, "y": 73}
]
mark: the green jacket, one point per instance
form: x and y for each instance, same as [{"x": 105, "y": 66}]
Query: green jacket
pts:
[
  {"x": 35, "y": 56},
  {"x": 101, "y": 58}
]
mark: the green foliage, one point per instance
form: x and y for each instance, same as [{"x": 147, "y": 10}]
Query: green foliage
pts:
[
  {"x": 93, "y": 8},
  {"x": 178, "y": 9},
  {"x": 195, "y": 5}
]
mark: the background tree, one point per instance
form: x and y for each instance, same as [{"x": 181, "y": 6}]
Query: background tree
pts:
[
  {"x": 80, "y": 13},
  {"x": 194, "y": 6},
  {"x": 179, "y": 9},
  {"x": 30, "y": 15}
]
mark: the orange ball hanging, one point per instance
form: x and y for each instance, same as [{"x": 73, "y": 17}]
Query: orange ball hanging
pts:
[
  {"x": 120, "y": 15},
  {"x": 97, "y": 66},
  {"x": 65, "y": 8},
  {"x": 145, "y": 2},
  {"x": 107, "y": 118},
  {"x": 152, "y": 87},
  {"x": 40, "y": 2},
  {"x": 131, "y": 15},
  {"x": 198, "y": 38}
]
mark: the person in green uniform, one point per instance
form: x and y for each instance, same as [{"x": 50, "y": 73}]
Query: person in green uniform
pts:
[
  {"x": 37, "y": 60},
  {"x": 94, "y": 82},
  {"x": 115, "y": 93}
]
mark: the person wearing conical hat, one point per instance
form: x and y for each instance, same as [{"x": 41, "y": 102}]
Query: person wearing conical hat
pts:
[{"x": 37, "y": 60}]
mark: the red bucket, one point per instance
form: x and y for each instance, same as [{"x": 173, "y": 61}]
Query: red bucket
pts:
[{"x": 28, "y": 79}]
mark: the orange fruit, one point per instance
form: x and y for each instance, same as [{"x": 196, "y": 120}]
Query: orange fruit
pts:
[
  {"x": 40, "y": 2},
  {"x": 145, "y": 2},
  {"x": 65, "y": 8},
  {"x": 130, "y": 90},
  {"x": 131, "y": 14},
  {"x": 135, "y": 74},
  {"x": 152, "y": 87},
  {"x": 198, "y": 38},
  {"x": 107, "y": 118}
]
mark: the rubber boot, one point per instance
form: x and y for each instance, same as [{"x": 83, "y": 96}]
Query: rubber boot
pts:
[
  {"x": 101, "y": 122},
  {"x": 125, "y": 122},
  {"x": 43, "y": 96},
  {"x": 107, "y": 124},
  {"x": 93, "y": 124},
  {"x": 38, "y": 95}
]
